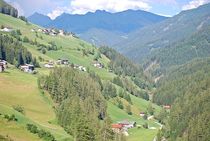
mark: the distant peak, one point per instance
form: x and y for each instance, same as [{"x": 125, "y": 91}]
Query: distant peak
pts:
[
  {"x": 36, "y": 13},
  {"x": 101, "y": 11}
]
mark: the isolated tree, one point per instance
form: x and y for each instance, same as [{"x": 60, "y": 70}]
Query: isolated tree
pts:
[
  {"x": 128, "y": 109},
  {"x": 150, "y": 109}
]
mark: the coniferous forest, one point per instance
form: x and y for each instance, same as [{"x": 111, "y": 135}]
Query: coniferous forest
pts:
[
  {"x": 186, "y": 88},
  {"x": 13, "y": 51},
  {"x": 8, "y": 9},
  {"x": 82, "y": 109}
]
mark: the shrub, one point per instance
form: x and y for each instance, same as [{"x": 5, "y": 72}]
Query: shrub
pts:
[
  {"x": 10, "y": 118},
  {"x": 145, "y": 125},
  {"x": 41, "y": 133},
  {"x": 25, "y": 39},
  {"x": 44, "y": 51},
  {"x": 19, "y": 109}
]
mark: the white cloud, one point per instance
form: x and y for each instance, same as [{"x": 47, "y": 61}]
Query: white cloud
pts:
[
  {"x": 194, "y": 4},
  {"x": 56, "y": 13},
  {"x": 84, "y": 6}
]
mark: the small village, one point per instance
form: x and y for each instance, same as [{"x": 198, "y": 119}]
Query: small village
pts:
[
  {"x": 54, "y": 32},
  {"x": 29, "y": 68}
]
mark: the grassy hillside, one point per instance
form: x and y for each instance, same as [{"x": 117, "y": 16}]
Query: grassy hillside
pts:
[{"x": 18, "y": 88}]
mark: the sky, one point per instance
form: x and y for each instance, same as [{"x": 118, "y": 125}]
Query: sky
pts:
[{"x": 54, "y": 8}]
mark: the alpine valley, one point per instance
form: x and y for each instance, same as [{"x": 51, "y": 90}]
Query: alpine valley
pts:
[{"x": 102, "y": 76}]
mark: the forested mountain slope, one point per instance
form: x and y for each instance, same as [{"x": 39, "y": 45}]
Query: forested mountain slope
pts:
[
  {"x": 196, "y": 46},
  {"x": 165, "y": 34},
  {"x": 186, "y": 88}
]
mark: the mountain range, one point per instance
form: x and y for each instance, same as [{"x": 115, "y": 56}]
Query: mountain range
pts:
[
  {"x": 125, "y": 21},
  {"x": 141, "y": 43},
  {"x": 100, "y": 26}
]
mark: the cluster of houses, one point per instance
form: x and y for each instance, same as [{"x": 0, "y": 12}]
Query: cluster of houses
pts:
[
  {"x": 98, "y": 65},
  {"x": 3, "y": 65},
  {"x": 51, "y": 64},
  {"x": 28, "y": 68},
  {"x": 123, "y": 126},
  {"x": 142, "y": 114},
  {"x": 53, "y": 32}
]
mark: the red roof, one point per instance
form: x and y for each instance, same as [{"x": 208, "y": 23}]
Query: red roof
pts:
[{"x": 117, "y": 126}]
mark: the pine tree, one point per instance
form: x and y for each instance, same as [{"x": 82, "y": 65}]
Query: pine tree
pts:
[
  {"x": 107, "y": 133},
  {"x": 150, "y": 109},
  {"x": 128, "y": 109}
]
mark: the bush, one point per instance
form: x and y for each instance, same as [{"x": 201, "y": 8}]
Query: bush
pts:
[
  {"x": 41, "y": 133},
  {"x": 25, "y": 39},
  {"x": 128, "y": 110},
  {"x": 10, "y": 118},
  {"x": 23, "y": 19},
  {"x": 18, "y": 32},
  {"x": 44, "y": 51},
  {"x": 32, "y": 128},
  {"x": 19, "y": 109},
  {"x": 145, "y": 117},
  {"x": 145, "y": 125},
  {"x": 120, "y": 104}
]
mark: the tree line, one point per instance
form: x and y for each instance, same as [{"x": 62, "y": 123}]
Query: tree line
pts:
[
  {"x": 14, "y": 53},
  {"x": 8, "y": 9}
]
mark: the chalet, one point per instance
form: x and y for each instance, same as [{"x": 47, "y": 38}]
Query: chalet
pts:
[
  {"x": 61, "y": 33},
  {"x": 142, "y": 114},
  {"x": 27, "y": 68},
  {"x": 40, "y": 30},
  {"x": 81, "y": 68},
  {"x": 126, "y": 124},
  {"x": 117, "y": 127},
  {"x": 52, "y": 34},
  {"x": 62, "y": 62},
  {"x": 167, "y": 107},
  {"x": 7, "y": 29},
  {"x": 4, "y": 63},
  {"x": 98, "y": 65},
  {"x": 76, "y": 66},
  {"x": 49, "y": 65},
  {"x": 45, "y": 31}
]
